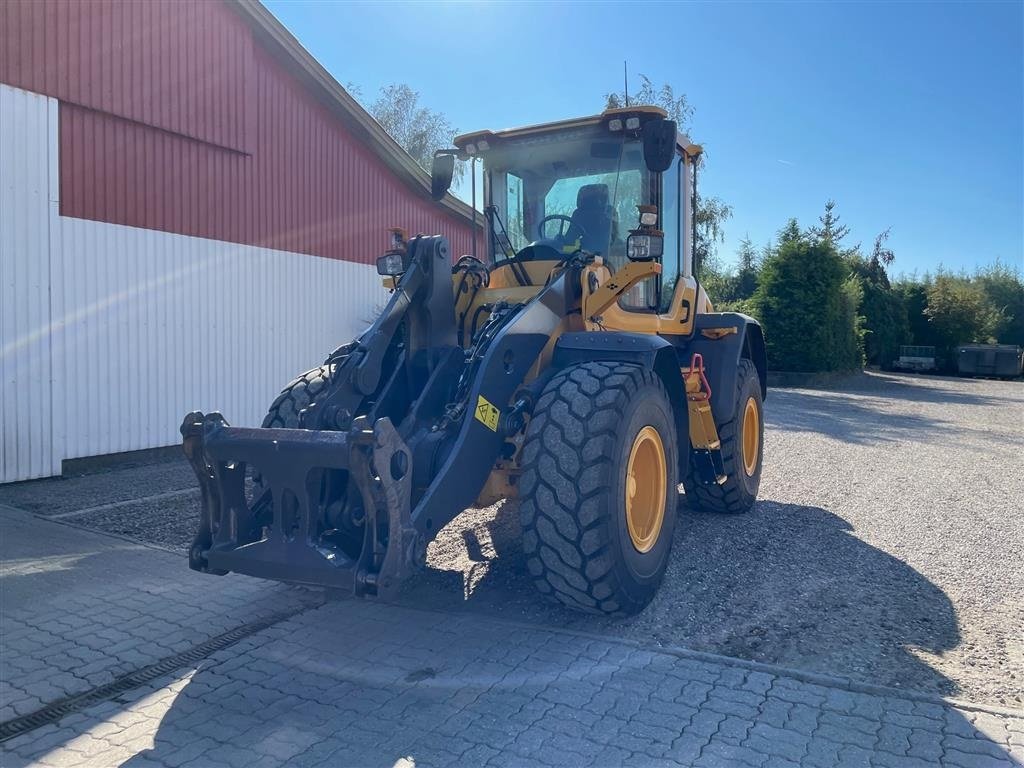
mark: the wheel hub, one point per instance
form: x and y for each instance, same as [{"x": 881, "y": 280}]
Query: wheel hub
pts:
[
  {"x": 751, "y": 436},
  {"x": 646, "y": 479}
]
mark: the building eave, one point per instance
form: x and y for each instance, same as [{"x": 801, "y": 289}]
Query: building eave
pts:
[{"x": 268, "y": 29}]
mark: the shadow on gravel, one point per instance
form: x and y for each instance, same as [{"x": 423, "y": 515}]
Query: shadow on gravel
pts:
[
  {"x": 931, "y": 389},
  {"x": 846, "y": 419},
  {"x": 868, "y": 421},
  {"x": 784, "y": 584},
  {"x": 793, "y": 585}
]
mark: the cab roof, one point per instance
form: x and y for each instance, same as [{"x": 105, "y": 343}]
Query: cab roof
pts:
[{"x": 644, "y": 112}]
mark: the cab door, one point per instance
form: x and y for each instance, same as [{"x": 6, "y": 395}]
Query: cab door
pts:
[{"x": 665, "y": 303}]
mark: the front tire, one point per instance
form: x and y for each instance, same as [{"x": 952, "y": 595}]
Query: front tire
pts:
[
  {"x": 284, "y": 413},
  {"x": 298, "y": 394},
  {"x": 598, "y": 488}
]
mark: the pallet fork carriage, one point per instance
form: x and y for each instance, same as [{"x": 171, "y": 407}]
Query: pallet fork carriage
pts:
[{"x": 583, "y": 373}]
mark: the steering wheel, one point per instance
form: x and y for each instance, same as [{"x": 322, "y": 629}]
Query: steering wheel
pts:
[{"x": 563, "y": 230}]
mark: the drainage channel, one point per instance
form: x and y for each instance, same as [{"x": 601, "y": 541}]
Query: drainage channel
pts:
[{"x": 61, "y": 708}]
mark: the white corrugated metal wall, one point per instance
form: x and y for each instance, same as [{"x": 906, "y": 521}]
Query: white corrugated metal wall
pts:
[
  {"x": 110, "y": 334},
  {"x": 26, "y": 439}
]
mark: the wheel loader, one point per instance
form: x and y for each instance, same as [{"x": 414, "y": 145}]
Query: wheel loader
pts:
[{"x": 575, "y": 365}]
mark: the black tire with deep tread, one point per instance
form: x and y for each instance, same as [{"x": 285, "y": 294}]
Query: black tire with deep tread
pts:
[
  {"x": 284, "y": 414},
  {"x": 571, "y": 490},
  {"x": 739, "y": 492},
  {"x": 284, "y": 411}
]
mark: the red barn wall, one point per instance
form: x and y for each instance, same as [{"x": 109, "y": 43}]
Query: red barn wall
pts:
[{"x": 175, "y": 117}]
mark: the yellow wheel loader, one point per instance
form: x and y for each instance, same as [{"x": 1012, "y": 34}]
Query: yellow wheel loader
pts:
[{"x": 574, "y": 364}]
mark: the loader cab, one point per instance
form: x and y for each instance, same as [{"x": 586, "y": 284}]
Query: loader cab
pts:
[{"x": 577, "y": 188}]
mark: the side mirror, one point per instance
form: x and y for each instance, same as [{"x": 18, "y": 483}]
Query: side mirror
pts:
[
  {"x": 442, "y": 171},
  {"x": 659, "y": 144}
]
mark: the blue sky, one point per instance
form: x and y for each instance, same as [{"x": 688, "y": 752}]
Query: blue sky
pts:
[{"x": 909, "y": 115}]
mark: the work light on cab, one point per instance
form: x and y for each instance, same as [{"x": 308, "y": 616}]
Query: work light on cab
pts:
[{"x": 646, "y": 243}]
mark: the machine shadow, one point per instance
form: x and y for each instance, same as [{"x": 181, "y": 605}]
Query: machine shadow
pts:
[
  {"x": 808, "y": 593},
  {"x": 783, "y": 584},
  {"x": 866, "y": 420},
  {"x": 358, "y": 683}
]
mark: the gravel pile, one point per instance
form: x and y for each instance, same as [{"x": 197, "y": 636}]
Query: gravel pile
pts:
[{"x": 888, "y": 545}]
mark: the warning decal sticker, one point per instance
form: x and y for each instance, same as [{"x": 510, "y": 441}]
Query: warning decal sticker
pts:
[{"x": 487, "y": 414}]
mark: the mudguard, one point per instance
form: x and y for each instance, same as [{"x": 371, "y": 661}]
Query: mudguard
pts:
[{"x": 722, "y": 349}]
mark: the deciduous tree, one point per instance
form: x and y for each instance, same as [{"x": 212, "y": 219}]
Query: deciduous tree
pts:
[{"x": 418, "y": 129}]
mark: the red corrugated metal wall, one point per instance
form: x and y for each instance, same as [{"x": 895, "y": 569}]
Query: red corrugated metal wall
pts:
[{"x": 174, "y": 118}]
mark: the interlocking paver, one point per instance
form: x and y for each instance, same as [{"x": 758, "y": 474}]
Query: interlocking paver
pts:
[{"x": 359, "y": 683}]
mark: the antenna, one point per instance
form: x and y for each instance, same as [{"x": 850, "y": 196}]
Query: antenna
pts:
[{"x": 625, "y": 80}]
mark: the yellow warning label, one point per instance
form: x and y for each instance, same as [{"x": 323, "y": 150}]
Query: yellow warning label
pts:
[{"x": 487, "y": 414}]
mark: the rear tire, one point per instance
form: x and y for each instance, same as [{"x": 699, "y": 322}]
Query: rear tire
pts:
[
  {"x": 742, "y": 459},
  {"x": 588, "y": 543}
]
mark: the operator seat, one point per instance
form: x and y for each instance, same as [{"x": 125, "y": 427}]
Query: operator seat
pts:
[{"x": 594, "y": 216}]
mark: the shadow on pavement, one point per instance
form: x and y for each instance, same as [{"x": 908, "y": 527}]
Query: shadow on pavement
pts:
[
  {"x": 359, "y": 683},
  {"x": 784, "y": 584}
]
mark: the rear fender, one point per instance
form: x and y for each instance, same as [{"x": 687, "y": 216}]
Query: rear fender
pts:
[{"x": 723, "y": 339}]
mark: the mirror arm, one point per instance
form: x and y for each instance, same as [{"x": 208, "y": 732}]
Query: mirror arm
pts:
[{"x": 628, "y": 276}]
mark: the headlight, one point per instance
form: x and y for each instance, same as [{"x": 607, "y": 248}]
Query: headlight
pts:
[
  {"x": 391, "y": 264},
  {"x": 645, "y": 247}
]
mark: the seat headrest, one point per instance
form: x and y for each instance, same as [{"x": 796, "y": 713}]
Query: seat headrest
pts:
[{"x": 592, "y": 197}]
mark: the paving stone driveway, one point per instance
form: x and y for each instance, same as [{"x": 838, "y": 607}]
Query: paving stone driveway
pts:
[{"x": 362, "y": 684}]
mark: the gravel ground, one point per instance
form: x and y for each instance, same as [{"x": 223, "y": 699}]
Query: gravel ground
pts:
[{"x": 888, "y": 545}]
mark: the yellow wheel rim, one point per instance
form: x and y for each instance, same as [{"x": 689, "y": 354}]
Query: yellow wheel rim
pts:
[
  {"x": 646, "y": 479},
  {"x": 751, "y": 436}
]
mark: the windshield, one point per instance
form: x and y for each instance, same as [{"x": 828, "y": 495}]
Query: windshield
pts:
[{"x": 567, "y": 191}]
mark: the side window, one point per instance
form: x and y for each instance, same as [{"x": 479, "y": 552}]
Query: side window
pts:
[
  {"x": 670, "y": 224},
  {"x": 514, "y": 213}
]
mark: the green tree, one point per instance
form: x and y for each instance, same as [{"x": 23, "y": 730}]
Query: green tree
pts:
[
  {"x": 1004, "y": 288},
  {"x": 886, "y": 325},
  {"x": 808, "y": 306},
  {"x": 747, "y": 270},
  {"x": 959, "y": 311},
  {"x": 711, "y": 215},
  {"x": 732, "y": 289},
  {"x": 791, "y": 233},
  {"x": 849, "y": 333},
  {"x": 829, "y": 229},
  {"x": 914, "y": 293},
  {"x": 418, "y": 129}
]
